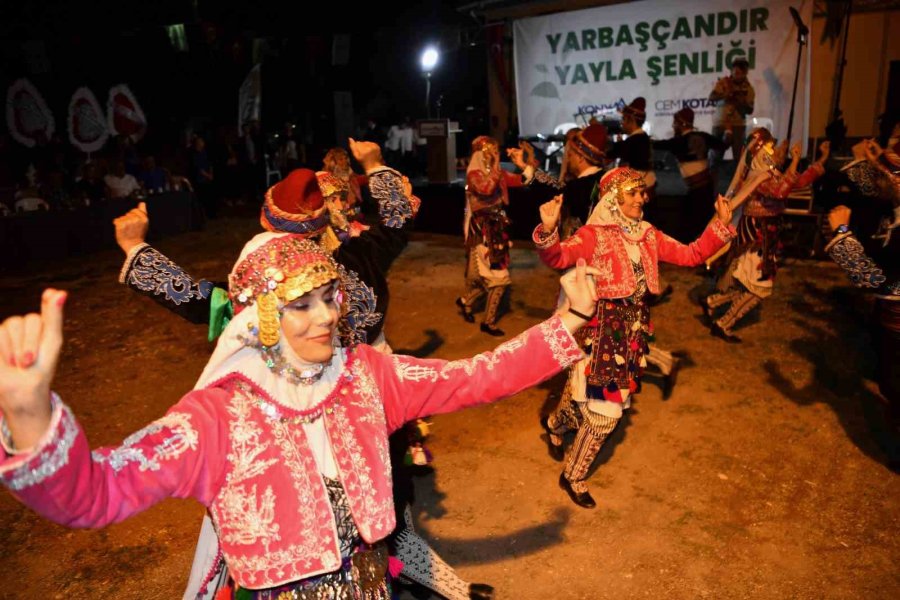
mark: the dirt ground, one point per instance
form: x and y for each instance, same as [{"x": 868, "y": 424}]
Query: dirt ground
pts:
[{"x": 761, "y": 477}]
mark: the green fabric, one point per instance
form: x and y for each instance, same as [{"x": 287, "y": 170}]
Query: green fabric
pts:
[{"x": 220, "y": 313}]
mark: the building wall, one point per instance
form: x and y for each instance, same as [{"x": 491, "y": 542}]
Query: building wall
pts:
[{"x": 870, "y": 50}]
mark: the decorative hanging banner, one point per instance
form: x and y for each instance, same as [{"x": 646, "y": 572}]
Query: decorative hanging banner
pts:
[
  {"x": 573, "y": 65},
  {"x": 250, "y": 97},
  {"x": 124, "y": 115},
  {"x": 86, "y": 121},
  {"x": 27, "y": 116}
]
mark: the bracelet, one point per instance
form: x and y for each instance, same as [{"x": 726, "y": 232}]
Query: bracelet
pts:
[
  {"x": 842, "y": 229},
  {"x": 579, "y": 314}
]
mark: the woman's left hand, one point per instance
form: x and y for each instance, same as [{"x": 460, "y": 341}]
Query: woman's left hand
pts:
[
  {"x": 580, "y": 289},
  {"x": 723, "y": 210},
  {"x": 839, "y": 215},
  {"x": 824, "y": 151}
]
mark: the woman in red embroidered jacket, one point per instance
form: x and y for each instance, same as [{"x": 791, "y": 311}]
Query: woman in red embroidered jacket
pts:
[
  {"x": 625, "y": 250},
  {"x": 284, "y": 438},
  {"x": 750, "y": 275},
  {"x": 486, "y": 232}
]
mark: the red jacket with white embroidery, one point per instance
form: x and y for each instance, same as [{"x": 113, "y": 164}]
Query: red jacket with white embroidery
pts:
[
  {"x": 488, "y": 189},
  {"x": 244, "y": 456},
  {"x": 603, "y": 247},
  {"x": 767, "y": 200}
]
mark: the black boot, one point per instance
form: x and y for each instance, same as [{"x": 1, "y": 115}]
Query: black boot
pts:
[
  {"x": 717, "y": 331},
  {"x": 672, "y": 377},
  {"x": 582, "y": 499},
  {"x": 465, "y": 311},
  {"x": 480, "y": 591},
  {"x": 556, "y": 452},
  {"x": 492, "y": 330}
]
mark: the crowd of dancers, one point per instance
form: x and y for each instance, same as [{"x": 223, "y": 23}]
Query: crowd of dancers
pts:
[{"x": 295, "y": 433}]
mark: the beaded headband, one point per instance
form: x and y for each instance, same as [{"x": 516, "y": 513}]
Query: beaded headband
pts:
[
  {"x": 283, "y": 269},
  {"x": 621, "y": 180},
  {"x": 482, "y": 142}
]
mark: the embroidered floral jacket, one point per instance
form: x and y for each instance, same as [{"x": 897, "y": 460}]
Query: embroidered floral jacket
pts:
[
  {"x": 767, "y": 200},
  {"x": 246, "y": 458},
  {"x": 603, "y": 247},
  {"x": 488, "y": 189}
]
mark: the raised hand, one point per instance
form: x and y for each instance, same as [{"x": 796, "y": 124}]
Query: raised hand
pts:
[
  {"x": 131, "y": 228},
  {"x": 368, "y": 154},
  {"x": 581, "y": 291},
  {"x": 407, "y": 187},
  {"x": 550, "y": 214},
  {"x": 29, "y": 351},
  {"x": 872, "y": 150},
  {"x": 781, "y": 151},
  {"x": 824, "y": 151},
  {"x": 723, "y": 209},
  {"x": 516, "y": 156},
  {"x": 796, "y": 151},
  {"x": 839, "y": 215}
]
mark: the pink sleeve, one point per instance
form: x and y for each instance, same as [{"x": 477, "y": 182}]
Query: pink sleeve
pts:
[
  {"x": 177, "y": 456},
  {"x": 483, "y": 183},
  {"x": 412, "y": 388},
  {"x": 561, "y": 255},
  {"x": 710, "y": 241}
]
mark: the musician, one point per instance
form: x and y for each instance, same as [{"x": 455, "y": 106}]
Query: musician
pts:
[{"x": 735, "y": 97}]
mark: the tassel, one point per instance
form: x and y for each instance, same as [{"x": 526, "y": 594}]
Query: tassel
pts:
[
  {"x": 632, "y": 386},
  {"x": 595, "y": 392},
  {"x": 395, "y": 565},
  {"x": 636, "y": 326},
  {"x": 612, "y": 395},
  {"x": 619, "y": 360},
  {"x": 643, "y": 362}
]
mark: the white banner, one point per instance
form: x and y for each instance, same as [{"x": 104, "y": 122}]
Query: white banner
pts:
[{"x": 572, "y": 65}]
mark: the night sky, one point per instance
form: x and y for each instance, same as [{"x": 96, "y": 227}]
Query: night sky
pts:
[{"x": 61, "y": 45}]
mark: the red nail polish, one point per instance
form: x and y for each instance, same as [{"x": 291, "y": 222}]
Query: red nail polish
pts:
[
  {"x": 27, "y": 359},
  {"x": 61, "y": 300}
]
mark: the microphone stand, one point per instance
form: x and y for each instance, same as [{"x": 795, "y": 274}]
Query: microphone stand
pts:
[{"x": 802, "y": 32}]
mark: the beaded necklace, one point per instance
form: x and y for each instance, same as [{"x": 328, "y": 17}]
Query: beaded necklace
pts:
[{"x": 276, "y": 363}]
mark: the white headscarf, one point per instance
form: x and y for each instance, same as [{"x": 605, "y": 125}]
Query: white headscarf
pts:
[{"x": 608, "y": 212}]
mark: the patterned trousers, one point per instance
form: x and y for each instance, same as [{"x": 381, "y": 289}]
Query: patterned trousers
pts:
[
  {"x": 422, "y": 565},
  {"x": 742, "y": 302},
  {"x": 477, "y": 286},
  {"x": 592, "y": 428},
  {"x": 661, "y": 359}
]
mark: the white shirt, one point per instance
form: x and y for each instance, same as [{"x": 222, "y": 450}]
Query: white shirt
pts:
[
  {"x": 406, "y": 139},
  {"x": 121, "y": 187},
  {"x": 393, "y": 139},
  {"x": 29, "y": 204}
]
